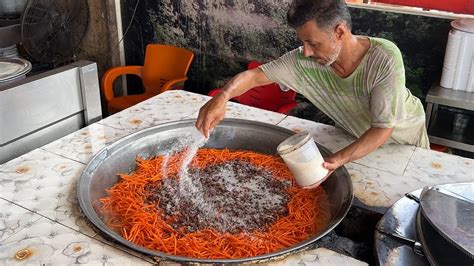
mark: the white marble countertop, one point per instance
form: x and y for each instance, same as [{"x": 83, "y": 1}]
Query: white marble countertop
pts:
[{"x": 39, "y": 209}]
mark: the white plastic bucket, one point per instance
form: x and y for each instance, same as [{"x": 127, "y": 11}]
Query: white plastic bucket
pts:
[
  {"x": 457, "y": 65},
  {"x": 303, "y": 158}
]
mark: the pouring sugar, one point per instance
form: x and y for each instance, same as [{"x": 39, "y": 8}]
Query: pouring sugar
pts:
[{"x": 303, "y": 158}]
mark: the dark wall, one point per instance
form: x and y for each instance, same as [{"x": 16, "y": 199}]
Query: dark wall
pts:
[
  {"x": 226, "y": 34},
  {"x": 422, "y": 41}
]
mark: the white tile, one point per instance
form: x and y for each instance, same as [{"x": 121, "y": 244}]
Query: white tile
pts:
[
  {"x": 48, "y": 243},
  {"x": 137, "y": 118},
  {"x": 240, "y": 111},
  {"x": 174, "y": 97},
  {"x": 45, "y": 183},
  {"x": 14, "y": 219},
  {"x": 169, "y": 106},
  {"x": 82, "y": 145},
  {"x": 440, "y": 167},
  {"x": 194, "y": 101},
  {"x": 375, "y": 188},
  {"x": 125, "y": 249},
  {"x": 393, "y": 158}
]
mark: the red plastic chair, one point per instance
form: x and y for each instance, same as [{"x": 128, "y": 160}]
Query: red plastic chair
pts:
[
  {"x": 269, "y": 97},
  {"x": 437, "y": 147}
]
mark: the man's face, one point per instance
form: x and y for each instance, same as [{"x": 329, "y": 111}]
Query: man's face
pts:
[{"x": 321, "y": 45}]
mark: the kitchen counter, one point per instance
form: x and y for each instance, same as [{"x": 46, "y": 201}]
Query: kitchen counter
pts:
[{"x": 38, "y": 203}]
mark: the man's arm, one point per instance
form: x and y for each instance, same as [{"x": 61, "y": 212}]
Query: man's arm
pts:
[
  {"x": 213, "y": 111},
  {"x": 369, "y": 141}
]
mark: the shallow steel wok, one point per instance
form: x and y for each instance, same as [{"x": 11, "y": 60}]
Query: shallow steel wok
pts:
[{"x": 119, "y": 157}]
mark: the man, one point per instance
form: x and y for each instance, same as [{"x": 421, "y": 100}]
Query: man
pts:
[{"x": 358, "y": 81}]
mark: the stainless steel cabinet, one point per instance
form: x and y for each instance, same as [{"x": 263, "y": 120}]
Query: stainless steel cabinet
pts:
[
  {"x": 450, "y": 118},
  {"x": 47, "y": 106}
]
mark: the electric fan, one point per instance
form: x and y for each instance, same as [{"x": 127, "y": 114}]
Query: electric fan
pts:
[{"x": 52, "y": 30}]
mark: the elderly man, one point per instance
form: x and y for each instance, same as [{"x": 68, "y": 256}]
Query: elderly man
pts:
[{"x": 357, "y": 81}]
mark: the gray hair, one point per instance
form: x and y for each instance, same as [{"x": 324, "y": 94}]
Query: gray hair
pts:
[{"x": 326, "y": 13}]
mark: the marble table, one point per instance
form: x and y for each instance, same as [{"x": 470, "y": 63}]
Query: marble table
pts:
[{"x": 39, "y": 210}]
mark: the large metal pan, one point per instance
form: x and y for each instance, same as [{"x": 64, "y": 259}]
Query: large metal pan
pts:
[{"x": 119, "y": 157}]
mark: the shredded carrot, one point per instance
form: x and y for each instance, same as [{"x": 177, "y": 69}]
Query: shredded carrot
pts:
[{"x": 127, "y": 211}]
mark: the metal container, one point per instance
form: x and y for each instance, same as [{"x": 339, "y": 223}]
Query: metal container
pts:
[
  {"x": 47, "y": 106},
  {"x": 433, "y": 226},
  {"x": 445, "y": 224},
  {"x": 396, "y": 242},
  {"x": 119, "y": 157}
]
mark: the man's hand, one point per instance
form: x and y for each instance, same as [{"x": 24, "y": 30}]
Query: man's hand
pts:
[
  {"x": 211, "y": 114},
  {"x": 368, "y": 142},
  {"x": 213, "y": 111},
  {"x": 331, "y": 164}
]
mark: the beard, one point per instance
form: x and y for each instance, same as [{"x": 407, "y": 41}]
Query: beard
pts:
[{"x": 336, "y": 49}]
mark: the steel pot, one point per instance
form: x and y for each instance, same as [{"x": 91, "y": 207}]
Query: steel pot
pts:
[{"x": 119, "y": 157}]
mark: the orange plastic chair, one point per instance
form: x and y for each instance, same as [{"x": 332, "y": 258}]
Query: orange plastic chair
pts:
[
  {"x": 165, "y": 68},
  {"x": 269, "y": 97}
]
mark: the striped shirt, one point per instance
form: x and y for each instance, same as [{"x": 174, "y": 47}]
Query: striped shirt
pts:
[{"x": 374, "y": 95}]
